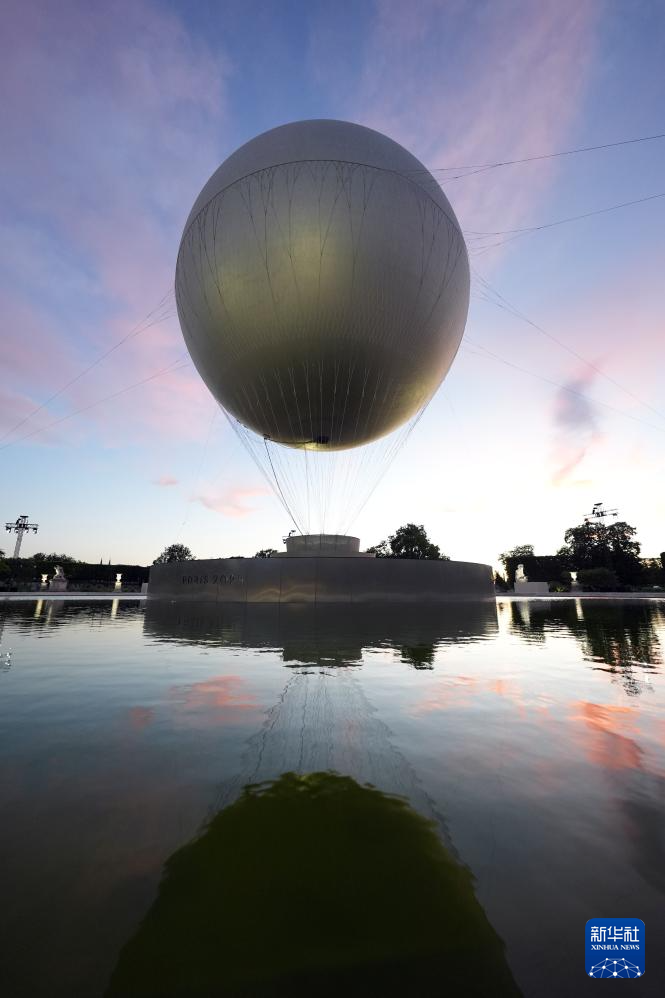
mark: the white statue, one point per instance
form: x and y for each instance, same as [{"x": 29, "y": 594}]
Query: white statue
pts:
[
  {"x": 59, "y": 581},
  {"x": 526, "y": 588}
]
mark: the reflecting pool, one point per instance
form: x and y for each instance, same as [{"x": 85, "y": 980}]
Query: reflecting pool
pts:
[{"x": 262, "y": 800}]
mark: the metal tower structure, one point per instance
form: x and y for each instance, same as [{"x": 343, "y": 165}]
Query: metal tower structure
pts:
[
  {"x": 599, "y": 513},
  {"x": 20, "y": 528}
]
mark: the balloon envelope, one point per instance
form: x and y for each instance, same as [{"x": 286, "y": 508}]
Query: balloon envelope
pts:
[{"x": 322, "y": 285}]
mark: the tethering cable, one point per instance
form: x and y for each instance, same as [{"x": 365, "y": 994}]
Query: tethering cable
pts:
[
  {"x": 175, "y": 365},
  {"x": 556, "y": 384},
  {"x": 482, "y": 167},
  {"x": 159, "y": 313},
  {"x": 501, "y": 302},
  {"x": 525, "y": 230}
]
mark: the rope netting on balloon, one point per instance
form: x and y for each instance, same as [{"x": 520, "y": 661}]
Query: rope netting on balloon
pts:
[{"x": 323, "y": 491}]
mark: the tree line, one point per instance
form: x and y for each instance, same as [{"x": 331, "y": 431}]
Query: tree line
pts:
[
  {"x": 408, "y": 541},
  {"x": 605, "y": 556}
]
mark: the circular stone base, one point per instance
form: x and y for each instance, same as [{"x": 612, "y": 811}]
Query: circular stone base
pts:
[{"x": 313, "y": 578}]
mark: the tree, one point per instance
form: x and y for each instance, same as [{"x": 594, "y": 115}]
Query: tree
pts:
[
  {"x": 563, "y": 554},
  {"x": 58, "y": 559},
  {"x": 419, "y": 656},
  {"x": 625, "y": 551},
  {"x": 652, "y": 572},
  {"x": 266, "y": 553},
  {"x": 587, "y": 546},
  {"x": 521, "y": 551},
  {"x": 174, "y": 552},
  {"x": 594, "y": 544},
  {"x": 599, "y": 579},
  {"x": 411, "y": 541},
  {"x": 380, "y": 550}
]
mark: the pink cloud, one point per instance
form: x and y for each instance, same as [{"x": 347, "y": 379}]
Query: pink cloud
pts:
[
  {"x": 444, "y": 695},
  {"x": 576, "y": 429},
  {"x": 115, "y": 125},
  {"x": 621, "y": 318},
  {"x": 231, "y": 502},
  {"x": 218, "y": 700},
  {"x": 604, "y": 732},
  {"x": 140, "y": 717},
  {"x": 220, "y": 692},
  {"x": 166, "y": 480},
  {"x": 511, "y": 86},
  {"x": 28, "y": 332}
]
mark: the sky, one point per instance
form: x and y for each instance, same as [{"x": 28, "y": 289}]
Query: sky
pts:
[{"x": 114, "y": 116}]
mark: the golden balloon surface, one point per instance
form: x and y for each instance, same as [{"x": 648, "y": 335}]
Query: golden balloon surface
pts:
[{"x": 322, "y": 285}]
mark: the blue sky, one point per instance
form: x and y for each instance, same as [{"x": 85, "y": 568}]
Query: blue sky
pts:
[{"x": 119, "y": 112}]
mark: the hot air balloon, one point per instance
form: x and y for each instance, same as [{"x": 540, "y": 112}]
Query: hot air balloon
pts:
[{"x": 322, "y": 286}]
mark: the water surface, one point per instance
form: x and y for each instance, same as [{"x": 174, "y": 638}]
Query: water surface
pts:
[{"x": 512, "y": 758}]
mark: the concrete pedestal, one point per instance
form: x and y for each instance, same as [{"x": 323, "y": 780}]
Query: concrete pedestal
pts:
[
  {"x": 532, "y": 588},
  {"x": 321, "y": 579},
  {"x": 323, "y": 546}
]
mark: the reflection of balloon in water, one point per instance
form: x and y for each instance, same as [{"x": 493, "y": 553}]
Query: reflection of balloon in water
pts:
[
  {"x": 314, "y": 885},
  {"x": 322, "y": 285}
]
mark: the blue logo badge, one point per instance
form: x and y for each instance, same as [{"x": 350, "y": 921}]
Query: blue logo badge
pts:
[{"x": 614, "y": 947}]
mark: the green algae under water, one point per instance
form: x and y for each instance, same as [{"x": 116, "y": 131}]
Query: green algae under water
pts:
[{"x": 311, "y": 885}]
